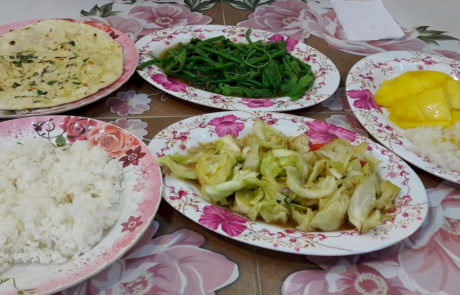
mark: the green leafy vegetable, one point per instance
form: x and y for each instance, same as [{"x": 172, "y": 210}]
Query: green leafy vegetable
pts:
[{"x": 252, "y": 70}]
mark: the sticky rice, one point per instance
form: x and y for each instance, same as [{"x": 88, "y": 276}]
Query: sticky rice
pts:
[{"x": 440, "y": 145}]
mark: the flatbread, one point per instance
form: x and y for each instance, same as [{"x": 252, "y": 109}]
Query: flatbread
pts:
[{"x": 53, "y": 62}]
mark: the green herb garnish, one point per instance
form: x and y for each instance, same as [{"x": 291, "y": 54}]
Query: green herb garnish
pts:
[
  {"x": 60, "y": 140},
  {"x": 39, "y": 92},
  {"x": 15, "y": 85},
  {"x": 52, "y": 82},
  {"x": 25, "y": 57}
]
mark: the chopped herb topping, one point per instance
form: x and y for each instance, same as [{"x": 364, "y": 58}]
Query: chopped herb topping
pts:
[
  {"x": 23, "y": 58},
  {"x": 15, "y": 85},
  {"x": 39, "y": 92},
  {"x": 52, "y": 82},
  {"x": 1, "y": 89},
  {"x": 85, "y": 60},
  {"x": 76, "y": 83},
  {"x": 35, "y": 74},
  {"x": 32, "y": 83}
]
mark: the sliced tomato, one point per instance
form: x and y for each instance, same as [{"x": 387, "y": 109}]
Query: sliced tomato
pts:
[{"x": 316, "y": 146}]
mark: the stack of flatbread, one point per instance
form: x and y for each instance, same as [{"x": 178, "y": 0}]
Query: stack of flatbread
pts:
[{"x": 54, "y": 62}]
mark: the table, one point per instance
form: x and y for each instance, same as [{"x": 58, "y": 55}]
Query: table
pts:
[{"x": 181, "y": 257}]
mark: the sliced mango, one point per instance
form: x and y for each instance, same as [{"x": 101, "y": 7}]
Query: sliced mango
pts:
[
  {"x": 406, "y": 109},
  {"x": 421, "y": 98},
  {"x": 455, "y": 115},
  {"x": 432, "y": 78},
  {"x": 413, "y": 124},
  {"x": 389, "y": 93},
  {"x": 434, "y": 104},
  {"x": 452, "y": 88}
]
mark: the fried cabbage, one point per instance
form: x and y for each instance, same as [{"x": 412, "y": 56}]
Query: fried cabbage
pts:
[{"x": 277, "y": 178}]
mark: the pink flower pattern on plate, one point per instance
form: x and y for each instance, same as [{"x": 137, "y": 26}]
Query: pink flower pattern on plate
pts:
[
  {"x": 321, "y": 132},
  {"x": 131, "y": 224},
  {"x": 258, "y": 102},
  {"x": 161, "y": 16},
  {"x": 227, "y": 125},
  {"x": 132, "y": 157},
  {"x": 169, "y": 83},
  {"x": 168, "y": 264},
  {"x": 232, "y": 224},
  {"x": 128, "y": 102},
  {"x": 413, "y": 266},
  {"x": 364, "y": 99}
]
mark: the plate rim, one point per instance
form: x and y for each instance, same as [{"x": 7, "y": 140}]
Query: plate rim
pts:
[
  {"x": 334, "y": 85},
  {"x": 156, "y": 195},
  {"x": 407, "y": 155},
  {"x": 131, "y": 49},
  {"x": 416, "y": 178}
]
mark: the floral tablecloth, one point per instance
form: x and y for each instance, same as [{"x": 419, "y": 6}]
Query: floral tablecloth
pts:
[{"x": 178, "y": 257}]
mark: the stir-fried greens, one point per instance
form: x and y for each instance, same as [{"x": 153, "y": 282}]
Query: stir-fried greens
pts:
[
  {"x": 277, "y": 178},
  {"x": 253, "y": 70}
]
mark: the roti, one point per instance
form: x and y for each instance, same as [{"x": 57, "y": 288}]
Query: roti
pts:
[{"x": 53, "y": 62}]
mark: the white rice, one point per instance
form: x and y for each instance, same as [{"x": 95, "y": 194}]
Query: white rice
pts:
[
  {"x": 55, "y": 203},
  {"x": 437, "y": 144}
]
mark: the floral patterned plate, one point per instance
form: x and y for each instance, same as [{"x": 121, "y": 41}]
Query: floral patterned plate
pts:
[
  {"x": 366, "y": 76},
  {"x": 141, "y": 195},
  {"x": 130, "y": 58},
  {"x": 327, "y": 76},
  {"x": 411, "y": 203}
]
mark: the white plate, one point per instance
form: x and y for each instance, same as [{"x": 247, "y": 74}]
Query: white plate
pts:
[
  {"x": 366, "y": 76},
  {"x": 411, "y": 203},
  {"x": 327, "y": 76},
  {"x": 142, "y": 195}
]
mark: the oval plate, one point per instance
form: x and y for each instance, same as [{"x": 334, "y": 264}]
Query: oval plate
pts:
[
  {"x": 411, "y": 203},
  {"x": 142, "y": 195},
  {"x": 130, "y": 58},
  {"x": 327, "y": 76},
  {"x": 366, "y": 76}
]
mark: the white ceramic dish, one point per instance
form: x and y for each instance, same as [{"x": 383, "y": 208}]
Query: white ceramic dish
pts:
[
  {"x": 411, "y": 203},
  {"x": 141, "y": 196},
  {"x": 327, "y": 76},
  {"x": 366, "y": 76}
]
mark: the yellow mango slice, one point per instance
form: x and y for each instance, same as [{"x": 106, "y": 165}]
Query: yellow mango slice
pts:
[
  {"x": 411, "y": 82},
  {"x": 389, "y": 92},
  {"x": 452, "y": 89},
  {"x": 455, "y": 115},
  {"x": 421, "y": 98},
  {"x": 432, "y": 78},
  {"x": 406, "y": 109},
  {"x": 413, "y": 124},
  {"x": 434, "y": 104}
]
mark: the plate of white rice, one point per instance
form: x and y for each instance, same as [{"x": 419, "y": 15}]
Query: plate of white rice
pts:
[
  {"x": 433, "y": 149},
  {"x": 75, "y": 195}
]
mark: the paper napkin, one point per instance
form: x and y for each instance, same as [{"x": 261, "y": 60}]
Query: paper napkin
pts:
[{"x": 366, "y": 20}]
